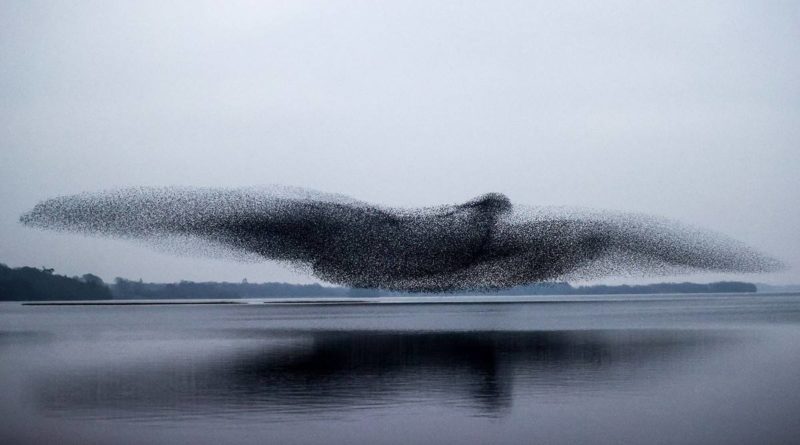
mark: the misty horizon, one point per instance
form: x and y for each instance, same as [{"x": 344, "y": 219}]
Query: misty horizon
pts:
[{"x": 688, "y": 112}]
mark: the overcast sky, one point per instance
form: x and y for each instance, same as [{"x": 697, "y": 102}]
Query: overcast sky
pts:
[{"x": 686, "y": 110}]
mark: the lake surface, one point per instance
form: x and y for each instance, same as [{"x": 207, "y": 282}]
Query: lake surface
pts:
[{"x": 687, "y": 369}]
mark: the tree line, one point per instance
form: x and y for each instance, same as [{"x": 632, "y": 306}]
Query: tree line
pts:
[{"x": 32, "y": 284}]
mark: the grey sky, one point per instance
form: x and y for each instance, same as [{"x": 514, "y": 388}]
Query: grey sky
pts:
[{"x": 686, "y": 110}]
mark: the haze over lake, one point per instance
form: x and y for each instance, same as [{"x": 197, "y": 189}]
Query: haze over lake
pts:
[{"x": 633, "y": 369}]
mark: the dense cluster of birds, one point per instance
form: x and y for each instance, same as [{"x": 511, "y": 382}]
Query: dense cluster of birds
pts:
[{"x": 483, "y": 243}]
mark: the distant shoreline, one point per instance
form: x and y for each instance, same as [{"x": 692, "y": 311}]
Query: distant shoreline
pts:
[
  {"x": 35, "y": 285},
  {"x": 416, "y": 300}
]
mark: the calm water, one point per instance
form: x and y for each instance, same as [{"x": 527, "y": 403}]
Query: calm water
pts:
[{"x": 649, "y": 369}]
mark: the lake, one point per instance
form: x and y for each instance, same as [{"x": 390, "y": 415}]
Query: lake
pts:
[{"x": 656, "y": 369}]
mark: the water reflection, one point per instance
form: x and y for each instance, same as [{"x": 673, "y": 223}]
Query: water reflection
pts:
[{"x": 286, "y": 375}]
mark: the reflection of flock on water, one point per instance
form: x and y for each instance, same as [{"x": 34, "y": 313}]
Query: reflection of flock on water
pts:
[{"x": 329, "y": 372}]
